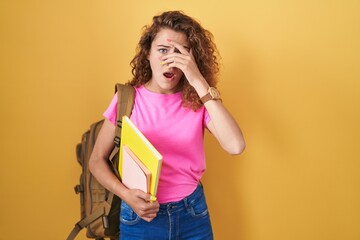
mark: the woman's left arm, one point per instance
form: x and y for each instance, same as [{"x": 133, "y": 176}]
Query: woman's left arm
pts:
[{"x": 222, "y": 125}]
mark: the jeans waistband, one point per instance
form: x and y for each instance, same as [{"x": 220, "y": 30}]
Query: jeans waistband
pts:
[{"x": 199, "y": 191}]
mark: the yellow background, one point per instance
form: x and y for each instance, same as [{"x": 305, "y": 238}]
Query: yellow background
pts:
[{"x": 290, "y": 75}]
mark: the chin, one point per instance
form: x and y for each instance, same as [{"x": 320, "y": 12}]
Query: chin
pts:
[{"x": 170, "y": 87}]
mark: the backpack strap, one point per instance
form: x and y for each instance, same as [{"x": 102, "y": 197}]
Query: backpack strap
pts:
[
  {"x": 85, "y": 222},
  {"x": 126, "y": 96}
]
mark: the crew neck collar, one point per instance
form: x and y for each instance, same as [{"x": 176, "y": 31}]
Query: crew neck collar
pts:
[{"x": 145, "y": 89}]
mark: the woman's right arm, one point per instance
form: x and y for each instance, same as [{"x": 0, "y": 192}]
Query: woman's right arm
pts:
[{"x": 98, "y": 165}]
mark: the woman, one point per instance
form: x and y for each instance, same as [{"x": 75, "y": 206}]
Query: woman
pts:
[{"x": 175, "y": 72}]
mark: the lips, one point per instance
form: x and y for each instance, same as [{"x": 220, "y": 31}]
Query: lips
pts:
[{"x": 168, "y": 74}]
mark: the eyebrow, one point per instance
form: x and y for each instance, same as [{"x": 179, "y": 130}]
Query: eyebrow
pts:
[{"x": 166, "y": 46}]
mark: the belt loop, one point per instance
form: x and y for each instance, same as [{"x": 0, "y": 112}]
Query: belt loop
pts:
[{"x": 186, "y": 202}]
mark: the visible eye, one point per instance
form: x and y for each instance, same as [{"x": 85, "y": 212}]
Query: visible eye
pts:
[{"x": 163, "y": 50}]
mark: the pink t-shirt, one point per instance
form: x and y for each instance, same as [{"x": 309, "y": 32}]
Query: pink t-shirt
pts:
[{"x": 177, "y": 133}]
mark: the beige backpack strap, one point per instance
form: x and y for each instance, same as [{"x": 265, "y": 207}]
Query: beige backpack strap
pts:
[
  {"x": 85, "y": 222},
  {"x": 126, "y": 97}
]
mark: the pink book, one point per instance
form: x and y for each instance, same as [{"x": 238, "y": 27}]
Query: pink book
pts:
[{"x": 135, "y": 175}]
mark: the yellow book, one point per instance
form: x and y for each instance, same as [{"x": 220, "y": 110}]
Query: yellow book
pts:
[{"x": 143, "y": 149}]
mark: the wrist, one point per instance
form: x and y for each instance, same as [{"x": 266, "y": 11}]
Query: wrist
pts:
[
  {"x": 201, "y": 87},
  {"x": 120, "y": 190},
  {"x": 212, "y": 94}
]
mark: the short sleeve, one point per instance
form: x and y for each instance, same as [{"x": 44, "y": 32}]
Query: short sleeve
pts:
[{"x": 111, "y": 111}]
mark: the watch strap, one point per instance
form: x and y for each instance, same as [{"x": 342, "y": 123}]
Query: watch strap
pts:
[{"x": 212, "y": 94}]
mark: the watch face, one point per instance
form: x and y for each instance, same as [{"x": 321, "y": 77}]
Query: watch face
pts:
[{"x": 214, "y": 93}]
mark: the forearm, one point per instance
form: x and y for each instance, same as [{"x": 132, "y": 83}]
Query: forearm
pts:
[
  {"x": 104, "y": 175},
  {"x": 137, "y": 199},
  {"x": 223, "y": 126}
]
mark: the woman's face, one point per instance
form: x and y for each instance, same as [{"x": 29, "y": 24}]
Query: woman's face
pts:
[{"x": 164, "y": 79}]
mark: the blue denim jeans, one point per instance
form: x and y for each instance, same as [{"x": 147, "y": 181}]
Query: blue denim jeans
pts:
[{"x": 185, "y": 219}]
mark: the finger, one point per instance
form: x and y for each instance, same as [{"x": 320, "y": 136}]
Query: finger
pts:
[
  {"x": 174, "y": 57},
  {"x": 152, "y": 216},
  {"x": 143, "y": 195},
  {"x": 152, "y": 207},
  {"x": 175, "y": 61},
  {"x": 174, "y": 64},
  {"x": 149, "y": 203},
  {"x": 154, "y": 204},
  {"x": 147, "y": 212},
  {"x": 148, "y": 219},
  {"x": 177, "y": 45}
]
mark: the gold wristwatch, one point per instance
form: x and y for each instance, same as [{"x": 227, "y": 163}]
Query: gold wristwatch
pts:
[{"x": 212, "y": 94}]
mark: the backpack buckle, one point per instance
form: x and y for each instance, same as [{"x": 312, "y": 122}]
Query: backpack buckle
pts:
[
  {"x": 105, "y": 221},
  {"x": 78, "y": 188},
  {"x": 119, "y": 123},
  {"x": 117, "y": 141}
]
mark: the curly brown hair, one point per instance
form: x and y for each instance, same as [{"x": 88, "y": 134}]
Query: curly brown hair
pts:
[{"x": 201, "y": 43}]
